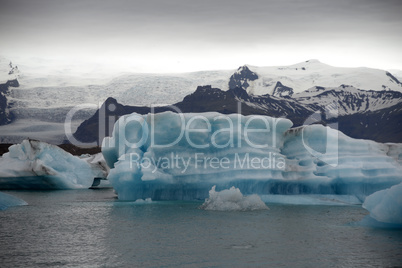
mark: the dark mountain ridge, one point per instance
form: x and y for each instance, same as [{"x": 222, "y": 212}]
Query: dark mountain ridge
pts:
[
  {"x": 383, "y": 125},
  {"x": 6, "y": 116}
]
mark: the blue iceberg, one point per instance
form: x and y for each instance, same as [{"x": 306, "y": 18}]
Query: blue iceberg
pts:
[
  {"x": 386, "y": 205},
  {"x": 170, "y": 156}
]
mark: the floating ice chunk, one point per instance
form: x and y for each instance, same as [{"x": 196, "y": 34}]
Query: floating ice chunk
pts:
[
  {"x": 7, "y": 201},
  {"x": 169, "y": 156},
  {"x": 143, "y": 201},
  {"x": 38, "y": 165},
  {"x": 386, "y": 205},
  {"x": 232, "y": 200}
]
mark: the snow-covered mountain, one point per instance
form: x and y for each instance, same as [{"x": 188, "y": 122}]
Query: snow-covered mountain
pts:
[
  {"x": 47, "y": 92},
  {"x": 43, "y": 87},
  {"x": 349, "y": 99},
  {"x": 311, "y": 73}
]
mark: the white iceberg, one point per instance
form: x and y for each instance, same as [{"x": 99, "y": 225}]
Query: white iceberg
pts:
[
  {"x": 38, "y": 165},
  {"x": 232, "y": 200}
]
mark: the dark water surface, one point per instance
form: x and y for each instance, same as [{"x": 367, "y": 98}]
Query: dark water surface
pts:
[{"x": 90, "y": 228}]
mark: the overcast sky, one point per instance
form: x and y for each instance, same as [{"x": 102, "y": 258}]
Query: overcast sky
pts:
[{"x": 188, "y": 35}]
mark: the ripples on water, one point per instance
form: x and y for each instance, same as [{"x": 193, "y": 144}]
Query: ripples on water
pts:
[{"x": 90, "y": 228}]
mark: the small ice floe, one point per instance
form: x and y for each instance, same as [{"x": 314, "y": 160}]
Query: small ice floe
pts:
[{"x": 232, "y": 200}]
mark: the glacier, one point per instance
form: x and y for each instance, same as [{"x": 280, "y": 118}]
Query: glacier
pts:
[
  {"x": 170, "y": 156},
  {"x": 42, "y": 166}
]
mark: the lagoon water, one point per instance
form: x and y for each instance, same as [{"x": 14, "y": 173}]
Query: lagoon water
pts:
[{"x": 91, "y": 228}]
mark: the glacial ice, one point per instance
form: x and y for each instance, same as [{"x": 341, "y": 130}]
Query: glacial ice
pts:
[
  {"x": 38, "y": 165},
  {"x": 386, "y": 205},
  {"x": 170, "y": 156},
  {"x": 7, "y": 201},
  {"x": 232, "y": 200}
]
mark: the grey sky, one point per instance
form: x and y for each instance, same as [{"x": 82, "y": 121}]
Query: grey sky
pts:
[{"x": 209, "y": 34}]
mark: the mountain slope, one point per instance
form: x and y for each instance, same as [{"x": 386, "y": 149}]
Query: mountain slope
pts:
[
  {"x": 5, "y": 115},
  {"x": 383, "y": 125},
  {"x": 206, "y": 99},
  {"x": 349, "y": 100}
]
